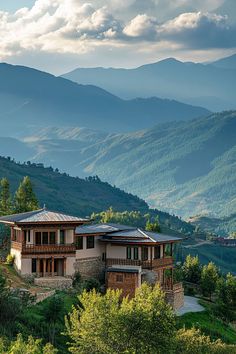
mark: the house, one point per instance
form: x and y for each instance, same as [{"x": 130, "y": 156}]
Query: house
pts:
[
  {"x": 52, "y": 246},
  {"x": 226, "y": 241}
]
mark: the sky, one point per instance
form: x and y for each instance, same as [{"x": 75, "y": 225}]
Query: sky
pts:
[{"x": 60, "y": 35}]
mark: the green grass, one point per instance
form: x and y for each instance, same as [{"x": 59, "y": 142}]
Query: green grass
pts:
[{"x": 208, "y": 324}]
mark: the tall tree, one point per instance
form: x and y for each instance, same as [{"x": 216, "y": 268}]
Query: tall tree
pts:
[
  {"x": 5, "y": 197},
  {"x": 209, "y": 278},
  {"x": 192, "y": 269},
  {"x": 25, "y": 198},
  {"x": 105, "y": 324}
]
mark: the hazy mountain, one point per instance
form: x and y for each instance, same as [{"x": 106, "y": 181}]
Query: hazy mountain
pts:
[
  {"x": 226, "y": 63},
  {"x": 211, "y": 86},
  {"x": 31, "y": 98},
  {"x": 186, "y": 168},
  {"x": 221, "y": 226}
]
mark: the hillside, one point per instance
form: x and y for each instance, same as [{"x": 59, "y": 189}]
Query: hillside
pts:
[
  {"x": 186, "y": 168},
  {"x": 212, "y": 86},
  {"x": 31, "y": 98},
  {"x": 221, "y": 226},
  {"x": 82, "y": 197}
]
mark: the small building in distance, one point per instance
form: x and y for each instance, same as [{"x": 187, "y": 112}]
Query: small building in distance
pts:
[{"x": 51, "y": 246}]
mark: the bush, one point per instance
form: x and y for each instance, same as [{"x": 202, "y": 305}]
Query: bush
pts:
[
  {"x": 90, "y": 284},
  {"x": 76, "y": 280},
  {"x": 10, "y": 259}
]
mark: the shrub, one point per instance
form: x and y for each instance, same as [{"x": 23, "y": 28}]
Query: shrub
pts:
[{"x": 10, "y": 259}]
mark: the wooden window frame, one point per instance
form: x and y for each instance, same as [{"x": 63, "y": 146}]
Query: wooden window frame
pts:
[
  {"x": 79, "y": 245},
  {"x": 88, "y": 240},
  {"x": 128, "y": 252}
]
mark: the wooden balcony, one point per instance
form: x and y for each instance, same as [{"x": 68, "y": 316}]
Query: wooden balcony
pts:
[
  {"x": 149, "y": 264},
  {"x": 43, "y": 249}
]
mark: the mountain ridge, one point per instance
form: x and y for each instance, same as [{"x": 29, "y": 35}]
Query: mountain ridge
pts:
[
  {"x": 193, "y": 83},
  {"x": 36, "y": 98}
]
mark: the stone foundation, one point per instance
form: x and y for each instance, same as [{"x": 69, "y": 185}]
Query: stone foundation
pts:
[
  {"x": 175, "y": 297},
  {"x": 90, "y": 267},
  {"x": 54, "y": 282}
]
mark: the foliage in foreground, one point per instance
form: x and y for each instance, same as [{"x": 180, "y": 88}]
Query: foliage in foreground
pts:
[
  {"x": 30, "y": 346},
  {"x": 142, "y": 325},
  {"x": 103, "y": 324}
]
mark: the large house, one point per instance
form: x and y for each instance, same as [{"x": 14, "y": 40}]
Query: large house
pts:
[{"x": 52, "y": 246}]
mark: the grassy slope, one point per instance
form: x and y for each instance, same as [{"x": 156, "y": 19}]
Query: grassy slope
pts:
[{"x": 208, "y": 324}]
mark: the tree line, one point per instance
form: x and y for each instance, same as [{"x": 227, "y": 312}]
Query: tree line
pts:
[
  {"x": 210, "y": 283},
  {"x": 23, "y": 200}
]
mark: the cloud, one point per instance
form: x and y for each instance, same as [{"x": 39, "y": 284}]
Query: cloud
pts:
[
  {"x": 142, "y": 26},
  {"x": 199, "y": 30},
  {"x": 78, "y": 27}
]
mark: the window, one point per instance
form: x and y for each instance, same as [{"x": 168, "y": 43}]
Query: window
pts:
[
  {"x": 38, "y": 238},
  {"x": 144, "y": 253},
  {"x": 62, "y": 237},
  {"x": 157, "y": 252},
  {"x": 90, "y": 241},
  {"x": 104, "y": 256},
  {"x": 128, "y": 252},
  {"x": 135, "y": 253},
  {"x": 52, "y": 238},
  {"x": 28, "y": 233},
  {"x": 33, "y": 265},
  {"x": 119, "y": 278},
  {"x": 168, "y": 250},
  {"x": 45, "y": 238},
  {"x": 79, "y": 242}
]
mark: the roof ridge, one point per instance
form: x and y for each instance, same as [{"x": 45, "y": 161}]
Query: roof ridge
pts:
[{"x": 143, "y": 232}]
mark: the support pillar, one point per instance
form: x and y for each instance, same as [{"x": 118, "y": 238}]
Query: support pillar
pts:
[
  {"x": 44, "y": 267},
  {"x": 64, "y": 267},
  {"x": 52, "y": 266},
  {"x": 37, "y": 267}
]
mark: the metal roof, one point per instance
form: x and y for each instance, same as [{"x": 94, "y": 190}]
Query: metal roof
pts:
[
  {"x": 158, "y": 237},
  {"x": 40, "y": 216},
  {"x": 122, "y": 270},
  {"x": 101, "y": 228}
]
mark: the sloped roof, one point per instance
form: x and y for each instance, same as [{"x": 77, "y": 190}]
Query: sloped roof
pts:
[
  {"x": 40, "y": 216},
  {"x": 101, "y": 228},
  {"x": 116, "y": 233}
]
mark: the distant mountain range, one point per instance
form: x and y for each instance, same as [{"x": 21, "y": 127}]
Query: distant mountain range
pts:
[
  {"x": 209, "y": 85},
  {"x": 31, "y": 98},
  {"x": 185, "y": 168},
  {"x": 82, "y": 197}
]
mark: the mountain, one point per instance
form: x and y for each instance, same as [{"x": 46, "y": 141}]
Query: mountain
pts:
[
  {"x": 226, "y": 63},
  {"x": 185, "y": 168},
  {"x": 77, "y": 196},
  {"x": 210, "y": 86},
  {"x": 220, "y": 226},
  {"x": 31, "y": 98}
]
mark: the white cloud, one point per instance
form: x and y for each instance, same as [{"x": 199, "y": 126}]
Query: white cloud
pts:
[
  {"x": 200, "y": 30},
  {"x": 76, "y": 26},
  {"x": 142, "y": 26}
]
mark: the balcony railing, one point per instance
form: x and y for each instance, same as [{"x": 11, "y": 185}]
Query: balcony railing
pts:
[
  {"x": 155, "y": 263},
  {"x": 37, "y": 249}
]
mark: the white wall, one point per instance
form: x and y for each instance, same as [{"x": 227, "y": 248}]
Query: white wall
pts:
[
  {"x": 26, "y": 266},
  {"x": 70, "y": 266},
  {"x": 113, "y": 251},
  {"x": 69, "y": 236},
  {"x": 97, "y": 251},
  {"x": 17, "y": 260}
]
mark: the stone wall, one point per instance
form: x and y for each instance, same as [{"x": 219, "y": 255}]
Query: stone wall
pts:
[
  {"x": 128, "y": 282},
  {"x": 175, "y": 297},
  {"x": 54, "y": 282},
  {"x": 90, "y": 267}
]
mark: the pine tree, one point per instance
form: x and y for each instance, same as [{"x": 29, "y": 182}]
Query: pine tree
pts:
[
  {"x": 25, "y": 198},
  {"x": 5, "y": 197}
]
